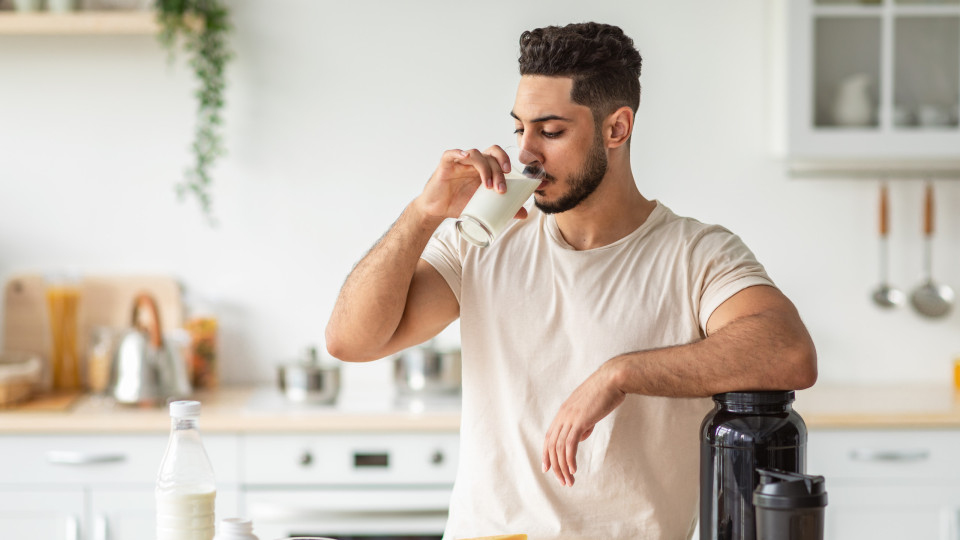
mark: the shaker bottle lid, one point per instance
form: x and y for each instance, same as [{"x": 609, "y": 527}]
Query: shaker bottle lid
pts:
[
  {"x": 785, "y": 490},
  {"x": 180, "y": 409},
  {"x": 760, "y": 397}
]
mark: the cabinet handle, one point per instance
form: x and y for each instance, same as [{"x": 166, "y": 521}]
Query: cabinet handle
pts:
[
  {"x": 890, "y": 456},
  {"x": 73, "y": 528},
  {"x": 67, "y": 457},
  {"x": 100, "y": 529}
]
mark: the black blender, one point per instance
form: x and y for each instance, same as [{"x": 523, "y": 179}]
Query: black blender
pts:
[{"x": 747, "y": 432}]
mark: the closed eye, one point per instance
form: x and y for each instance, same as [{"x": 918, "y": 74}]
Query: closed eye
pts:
[{"x": 547, "y": 134}]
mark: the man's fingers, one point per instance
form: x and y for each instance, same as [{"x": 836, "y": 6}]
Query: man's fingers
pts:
[
  {"x": 547, "y": 443},
  {"x": 561, "y": 449},
  {"x": 573, "y": 439},
  {"x": 481, "y": 163},
  {"x": 501, "y": 156}
]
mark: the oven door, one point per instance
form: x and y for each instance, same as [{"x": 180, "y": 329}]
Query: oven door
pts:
[{"x": 368, "y": 513}]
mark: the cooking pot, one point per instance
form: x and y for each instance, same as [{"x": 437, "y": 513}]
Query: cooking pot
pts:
[
  {"x": 144, "y": 369},
  {"x": 426, "y": 369},
  {"x": 310, "y": 380}
]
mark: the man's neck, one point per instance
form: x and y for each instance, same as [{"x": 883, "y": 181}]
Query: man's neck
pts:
[{"x": 614, "y": 210}]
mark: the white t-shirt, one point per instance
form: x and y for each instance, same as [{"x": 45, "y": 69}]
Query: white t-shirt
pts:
[{"x": 536, "y": 319}]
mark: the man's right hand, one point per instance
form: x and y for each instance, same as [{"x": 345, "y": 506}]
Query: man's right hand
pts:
[{"x": 458, "y": 176}]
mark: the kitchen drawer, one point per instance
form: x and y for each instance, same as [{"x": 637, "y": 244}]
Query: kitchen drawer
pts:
[
  {"x": 102, "y": 459},
  {"x": 907, "y": 454},
  {"x": 350, "y": 459}
]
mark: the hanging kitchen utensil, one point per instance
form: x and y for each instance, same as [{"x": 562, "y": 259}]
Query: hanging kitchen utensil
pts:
[
  {"x": 930, "y": 299},
  {"x": 885, "y": 295}
]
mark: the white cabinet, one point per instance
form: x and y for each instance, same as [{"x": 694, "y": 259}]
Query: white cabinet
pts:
[
  {"x": 28, "y": 514},
  {"x": 889, "y": 484},
  {"x": 95, "y": 487},
  {"x": 366, "y": 485},
  {"x": 874, "y": 81},
  {"x": 128, "y": 514}
]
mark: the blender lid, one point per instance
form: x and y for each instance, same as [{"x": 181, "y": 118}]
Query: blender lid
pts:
[
  {"x": 759, "y": 397},
  {"x": 784, "y": 490}
]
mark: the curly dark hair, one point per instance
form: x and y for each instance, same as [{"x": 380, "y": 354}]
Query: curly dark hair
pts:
[{"x": 600, "y": 58}]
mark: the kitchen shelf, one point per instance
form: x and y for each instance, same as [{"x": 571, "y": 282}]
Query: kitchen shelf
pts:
[
  {"x": 79, "y": 23},
  {"x": 873, "y": 168}
]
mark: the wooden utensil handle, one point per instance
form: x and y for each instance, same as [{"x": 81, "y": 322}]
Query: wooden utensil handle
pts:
[
  {"x": 144, "y": 300},
  {"x": 884, "y": 225},
  {"x": 928, "y": 210}
]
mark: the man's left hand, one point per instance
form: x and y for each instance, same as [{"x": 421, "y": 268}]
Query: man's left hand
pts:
[{"x": 593, "y": 400}]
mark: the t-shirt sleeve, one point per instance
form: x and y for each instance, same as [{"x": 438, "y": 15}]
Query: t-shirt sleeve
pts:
[
  {"x": 443, "y": 253},
  {"x": 722, "y": 266}
]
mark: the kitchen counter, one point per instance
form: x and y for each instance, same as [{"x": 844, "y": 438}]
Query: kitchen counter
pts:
[
  {"x": 834, "y": 406},
  {"x": 245, "y": 409},
  {"x": 265, "y": 410}
]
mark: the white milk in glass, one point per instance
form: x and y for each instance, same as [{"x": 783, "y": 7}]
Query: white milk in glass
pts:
[
  {"x": 185, "y": 516},
  {"x": 489, "y": 212}
]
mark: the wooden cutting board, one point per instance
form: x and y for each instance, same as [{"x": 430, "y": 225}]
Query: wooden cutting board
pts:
[{"x": 104, "y": 301}]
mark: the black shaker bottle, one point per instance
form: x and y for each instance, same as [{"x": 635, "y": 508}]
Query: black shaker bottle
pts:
[
  {"x": 744, "y": 432},
  {"x": 789, "y": 506}
]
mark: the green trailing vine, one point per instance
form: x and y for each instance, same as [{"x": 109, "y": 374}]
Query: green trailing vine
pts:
[{"x": 204, "y": 26}]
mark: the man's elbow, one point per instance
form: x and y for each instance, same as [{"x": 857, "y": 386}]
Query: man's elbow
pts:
[
  {"x": 804, "y": 365},
  {"x": 338, "y": 347}
]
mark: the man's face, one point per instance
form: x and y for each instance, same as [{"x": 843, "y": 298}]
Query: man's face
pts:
[{"x": 563, "y": 136}]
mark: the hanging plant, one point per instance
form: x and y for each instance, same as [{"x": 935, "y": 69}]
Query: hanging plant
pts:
[{"x": 203, "y": 26}]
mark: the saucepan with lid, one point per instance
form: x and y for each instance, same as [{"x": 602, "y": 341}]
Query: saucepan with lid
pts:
[
  {"x": 428, "y": 369},
  {"x": 310, "y": 380}
]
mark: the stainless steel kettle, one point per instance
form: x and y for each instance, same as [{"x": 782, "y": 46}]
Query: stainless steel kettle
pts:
[{"x": 145, "y": 370}]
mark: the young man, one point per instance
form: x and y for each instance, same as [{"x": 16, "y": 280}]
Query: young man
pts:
[{"x": 593, "y": 330}]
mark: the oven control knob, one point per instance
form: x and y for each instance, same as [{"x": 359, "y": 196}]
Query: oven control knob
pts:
[
  {"x": 306, "y": 458},
  {"x": 437, "y": 458}
]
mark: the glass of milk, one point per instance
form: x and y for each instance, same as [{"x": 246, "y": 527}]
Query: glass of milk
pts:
[{"x": 488, "y": 212}]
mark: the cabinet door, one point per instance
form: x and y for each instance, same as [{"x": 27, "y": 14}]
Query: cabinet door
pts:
[
  {"x": 874, "y": 79},
  {"x": 93, "y": 460},
  {"x": 128, "y": 514},
  {"x": 888, "y": 484},
  {"x": 892, "y": 512},
  {"x": 30, "y": 514}
]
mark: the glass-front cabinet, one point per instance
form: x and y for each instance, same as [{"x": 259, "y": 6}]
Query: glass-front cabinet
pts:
[{"x": 874, "y": 80}]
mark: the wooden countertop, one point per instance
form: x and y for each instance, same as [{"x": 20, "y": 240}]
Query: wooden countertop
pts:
[
  {"x": 264, "y": 410},
  {"x": 835, "y": 406},
  {"x": 243, "y": 410}
]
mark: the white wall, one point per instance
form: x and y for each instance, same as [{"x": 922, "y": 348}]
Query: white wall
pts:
[{"x": 337, "y": 114}]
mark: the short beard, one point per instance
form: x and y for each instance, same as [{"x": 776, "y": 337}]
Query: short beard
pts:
[{"x": 582, "y": 184}]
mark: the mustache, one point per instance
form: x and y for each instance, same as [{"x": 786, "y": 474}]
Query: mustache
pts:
[{"x": 534, "y": 171}]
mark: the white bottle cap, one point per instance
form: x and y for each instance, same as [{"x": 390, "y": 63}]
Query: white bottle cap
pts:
[
  {"x": 182, "y": 409},
  {"x": 236, "y": 529}
]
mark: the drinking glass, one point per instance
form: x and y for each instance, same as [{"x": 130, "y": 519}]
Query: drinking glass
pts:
[{"x": 488, "y": 212}]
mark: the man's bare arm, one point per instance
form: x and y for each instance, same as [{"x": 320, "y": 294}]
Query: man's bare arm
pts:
[
  {"x": 756, "y": 341},
  {"x": 391, "y": 300}
]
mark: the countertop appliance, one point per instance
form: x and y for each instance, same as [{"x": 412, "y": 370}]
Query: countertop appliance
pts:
[
  {"x": 745, "y": 431},
  {"x": 354, "y": 485}
]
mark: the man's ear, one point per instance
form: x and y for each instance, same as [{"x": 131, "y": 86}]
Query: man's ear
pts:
[{"x": 618, "y": 127}]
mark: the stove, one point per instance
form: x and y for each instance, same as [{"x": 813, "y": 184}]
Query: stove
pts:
[{"x": 354, "y": 485}]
